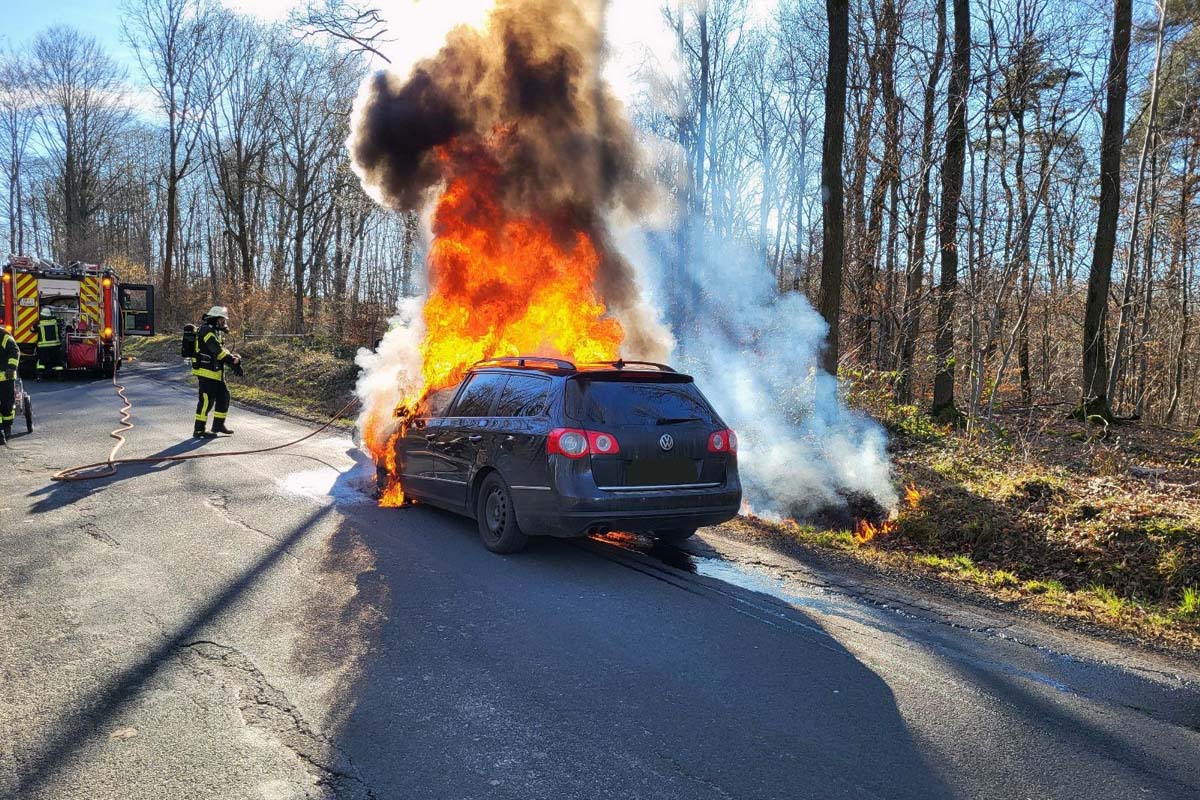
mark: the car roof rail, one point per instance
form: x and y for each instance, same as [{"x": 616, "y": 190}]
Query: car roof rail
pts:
[
  {"x": 532, "y": 362},
  {"x": 621, "y": 364}
]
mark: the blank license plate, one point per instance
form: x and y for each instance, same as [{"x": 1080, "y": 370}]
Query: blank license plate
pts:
[{"x": 661, "y": 472}]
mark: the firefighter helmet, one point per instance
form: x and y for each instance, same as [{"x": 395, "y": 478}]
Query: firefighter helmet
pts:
[{"x": 218, "y": 311}]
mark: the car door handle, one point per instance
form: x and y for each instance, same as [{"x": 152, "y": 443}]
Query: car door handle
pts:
[{"x": 475, "y": 438}]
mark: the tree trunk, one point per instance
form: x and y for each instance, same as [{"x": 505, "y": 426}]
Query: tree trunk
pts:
[
  {"x": 1184, "y": 287},
  {"x": 1123, "y": 324},
  {"x": 833, "y": 243},
  {"x": 915, "y": 271},
  {"x": 952, "y": 180},
  {"x": 1095, "y": 356}
]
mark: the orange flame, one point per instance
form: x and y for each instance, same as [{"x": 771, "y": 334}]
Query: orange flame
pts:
[
  {"x": 912, "y": 496},
  {"x": 501, "y": 284},
  {"x": 393, "y": 493},
  {"x": 866, "y": 530}
]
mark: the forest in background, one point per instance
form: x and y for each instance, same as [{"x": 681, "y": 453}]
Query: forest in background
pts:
[{"x": 969, "y": 151}]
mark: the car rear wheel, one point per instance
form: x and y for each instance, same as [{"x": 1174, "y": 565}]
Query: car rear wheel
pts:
[
  {"x": 675, "y": 535},
  {"x": 497, "y": 517}
]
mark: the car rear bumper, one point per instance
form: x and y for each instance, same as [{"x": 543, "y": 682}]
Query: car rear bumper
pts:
[{"x": 577, "y": 507}]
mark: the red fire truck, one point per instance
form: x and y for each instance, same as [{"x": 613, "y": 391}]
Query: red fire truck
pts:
[{"x": 96, "y": 309}]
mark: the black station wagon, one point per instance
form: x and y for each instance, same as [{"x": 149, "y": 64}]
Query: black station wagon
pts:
[{"x": 537, "y": 446}]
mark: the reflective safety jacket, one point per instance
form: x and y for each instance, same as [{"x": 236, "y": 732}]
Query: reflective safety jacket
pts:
[
  {"x": 11, "y": 355},
  {"x": 49, "y": 332},
  {"x": 211, "y": 355}
]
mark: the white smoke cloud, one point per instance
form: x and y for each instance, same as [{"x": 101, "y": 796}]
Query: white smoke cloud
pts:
[
  {"x": 755, "y": 353},
  {"x": 390, "y": 373}
]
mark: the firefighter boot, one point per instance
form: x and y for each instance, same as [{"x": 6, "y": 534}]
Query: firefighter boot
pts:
[
  {"x": 219, "y": 427},
  {"x": 198, "y": 432}
]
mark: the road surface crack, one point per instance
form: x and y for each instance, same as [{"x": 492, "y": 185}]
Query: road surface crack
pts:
[
  {"x": 265, "y": 707},
  {"x": 99, "y": 534},
  {"x": 220, "y": 502}
]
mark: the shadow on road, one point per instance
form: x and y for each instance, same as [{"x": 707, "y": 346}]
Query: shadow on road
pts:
[
  {"x": 58, "y": 494},
  {"x": 78, "y": 725},
  {"x": 562, "y": 672}
]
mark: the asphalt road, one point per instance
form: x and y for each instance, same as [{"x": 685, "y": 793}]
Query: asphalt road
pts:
[{"x": 257, "y": 628}]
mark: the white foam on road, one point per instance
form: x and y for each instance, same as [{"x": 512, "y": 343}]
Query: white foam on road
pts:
[{"x": 353, "y": 486}]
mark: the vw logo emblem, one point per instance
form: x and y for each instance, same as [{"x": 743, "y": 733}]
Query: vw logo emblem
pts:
[{"x": 666, "y": 442}]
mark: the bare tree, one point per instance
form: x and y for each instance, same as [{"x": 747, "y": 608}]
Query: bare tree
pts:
[
  {"x": 1114, "y": 371},
  {"x": 18, "y": 115},
  {"x": 238, "y": 136},
  {"x": 915, "y": 274},
  {"x": 952, "y": 180},
  {"x": 171, "y": 39},
  {"x": 1095, "y": 355},
  {"x": 83, "y": 113},
  {"x": 361, "y": 26},
  {"x": 833, "y": 245}
]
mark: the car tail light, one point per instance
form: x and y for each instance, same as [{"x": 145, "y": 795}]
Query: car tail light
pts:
[
  {"x": 567, "y": 442},
  {"x": 723, "y": 441},
  {"x": 602, "y": 444},
  {"x": 575, "y": 443}
]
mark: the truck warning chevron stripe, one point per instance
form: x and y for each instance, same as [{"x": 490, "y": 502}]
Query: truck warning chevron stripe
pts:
[
  {"x": 26, "y": 308},
  {"x": 89, "y": 298}
]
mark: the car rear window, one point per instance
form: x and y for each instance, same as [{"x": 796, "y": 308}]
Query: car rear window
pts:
[
  {"x": 523, "y": 396},
  {"x": 637, "y": 403}
]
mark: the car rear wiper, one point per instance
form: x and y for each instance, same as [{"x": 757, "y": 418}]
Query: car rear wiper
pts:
[{"x": 676, "y": 420}]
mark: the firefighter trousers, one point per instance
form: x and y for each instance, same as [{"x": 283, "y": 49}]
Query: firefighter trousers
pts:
[
  {"x": 214, "y": 397},
  {"x": 8, "y": 398},
  {"x": 51, "y": 357}
]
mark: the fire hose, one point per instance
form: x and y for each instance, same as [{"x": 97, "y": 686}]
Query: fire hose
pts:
[{"x": 88, "y": 472}]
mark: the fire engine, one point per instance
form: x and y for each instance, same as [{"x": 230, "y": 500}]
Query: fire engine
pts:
[{"x": 96, "y": 309}]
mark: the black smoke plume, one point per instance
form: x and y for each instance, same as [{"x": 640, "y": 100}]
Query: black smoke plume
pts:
[{"x": 524, "y": 94}]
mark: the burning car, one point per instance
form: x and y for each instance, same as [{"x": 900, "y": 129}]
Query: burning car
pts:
[{"x": 540, "y": 446}]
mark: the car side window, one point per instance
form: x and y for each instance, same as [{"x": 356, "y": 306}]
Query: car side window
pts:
[
  {"x": 438, "y": 402},
  {"x": 523, "y": 396},
  {"x": 479, "y": 395}
]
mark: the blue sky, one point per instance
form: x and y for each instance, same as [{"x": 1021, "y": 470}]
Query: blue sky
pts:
[{"x": 24, "y": 19}]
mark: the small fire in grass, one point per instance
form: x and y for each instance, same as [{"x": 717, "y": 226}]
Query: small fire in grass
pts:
[
  {"x": 865, "y": 530},
  {"x": 867, "y": 521}
]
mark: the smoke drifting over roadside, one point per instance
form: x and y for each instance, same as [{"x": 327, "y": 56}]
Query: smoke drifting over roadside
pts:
[{"x": 756, "y": 354}]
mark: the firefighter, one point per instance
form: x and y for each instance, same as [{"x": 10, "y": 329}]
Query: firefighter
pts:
[
  {"x": 10, "y": 357},
  {"x": 208, "y": 365},
  {"x": 50, "y": 355}
]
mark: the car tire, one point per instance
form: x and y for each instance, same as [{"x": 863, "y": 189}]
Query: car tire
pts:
[
  {"x": 497, "y": 517},
  {"x": 675, "y": 535}
]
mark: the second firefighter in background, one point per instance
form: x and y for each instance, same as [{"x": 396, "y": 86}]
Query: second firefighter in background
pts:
[{"x": 208, "y": 365}]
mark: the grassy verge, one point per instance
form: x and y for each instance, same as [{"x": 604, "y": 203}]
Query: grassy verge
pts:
[
  {"x": 1100, "y": 528},
  {"x": 305, "y": 384}
]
